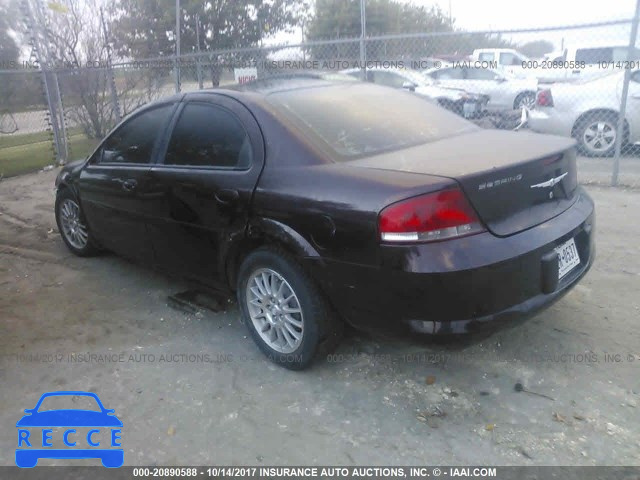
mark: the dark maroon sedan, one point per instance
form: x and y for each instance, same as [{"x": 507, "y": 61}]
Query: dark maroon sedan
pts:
[{"x": 322, "y": 201}]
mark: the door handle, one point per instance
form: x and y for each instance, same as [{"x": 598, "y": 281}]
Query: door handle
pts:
[
  {"x": 227, "y": 196},
  {"x": 129, "y": 185}
]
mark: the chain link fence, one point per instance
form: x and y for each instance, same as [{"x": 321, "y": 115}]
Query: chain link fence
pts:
[{"x": 578, "y": 81}]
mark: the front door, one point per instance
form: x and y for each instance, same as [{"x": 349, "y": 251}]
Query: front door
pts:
[{"x": 115, "y": 184}]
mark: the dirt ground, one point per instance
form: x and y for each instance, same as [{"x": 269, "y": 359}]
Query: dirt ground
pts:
[{"x": 193, "y": 389}]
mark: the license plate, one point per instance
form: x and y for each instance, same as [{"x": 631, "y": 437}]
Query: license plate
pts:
[{"x": 568, "y": 257}]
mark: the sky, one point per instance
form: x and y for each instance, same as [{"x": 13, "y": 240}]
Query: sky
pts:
[
  {"x": 505, "y": 14},
  {"x": 508, "y": 15}
]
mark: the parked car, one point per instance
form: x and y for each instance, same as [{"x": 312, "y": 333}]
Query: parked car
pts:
[
  {"x": 585, "y": 61},
  {"x": 469, "y": 105},
  {"x": 506, "y": 60},
  {"x": 318, "y": 201},
  {"x": 588, "y": 111},
  {"x": 505, "y": 91}
]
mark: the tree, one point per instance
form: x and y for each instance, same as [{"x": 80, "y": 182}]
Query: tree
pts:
[
  {"x": 536, "y": 48},
  {"x": 341, "y": 19},
  {"x": 146, "y": 28},
  {"x": 9, "y": 51}
]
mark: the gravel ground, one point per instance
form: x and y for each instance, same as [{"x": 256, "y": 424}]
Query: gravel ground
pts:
[{"x": 193, "y": 389}]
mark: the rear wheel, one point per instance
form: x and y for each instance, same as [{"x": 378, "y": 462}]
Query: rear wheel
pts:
[
  {"x": 526, "y": 100},
  {"x": 596, "y": 134},
  {"x": 283, "y": 309},
  {"x": 72, "y": 225}
]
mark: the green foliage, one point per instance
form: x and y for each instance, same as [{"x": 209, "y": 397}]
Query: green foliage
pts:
[
  {"x": 536, "y": 48},
  {"x": 341, "y": 19},
  {"x": 146, "y": 28}
]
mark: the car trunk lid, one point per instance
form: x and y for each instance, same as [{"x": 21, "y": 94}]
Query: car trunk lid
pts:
[{"x": 514, "y": 180}]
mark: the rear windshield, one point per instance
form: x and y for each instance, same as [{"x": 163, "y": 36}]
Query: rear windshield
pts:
[{"x": 359, "y": 119}]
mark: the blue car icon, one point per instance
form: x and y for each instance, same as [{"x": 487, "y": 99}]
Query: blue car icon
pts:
[{"x": 69, "y": 418}]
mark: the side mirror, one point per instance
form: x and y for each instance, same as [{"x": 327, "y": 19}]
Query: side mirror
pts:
[
  {"x": 28, "y": 410},
  {"x": 409, "y": 86}
]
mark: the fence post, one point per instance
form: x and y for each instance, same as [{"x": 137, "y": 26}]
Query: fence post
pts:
[
  {"x": 363, "y": 45},
  {"x": 36, "y": 34},
  {"x": 177, "y": 59},
  {"x": 198, "y": 66},
  {"x": 61, "y": 122},
  {"x": 623, "y": 100},
  {"x": 112, "y": 78}
]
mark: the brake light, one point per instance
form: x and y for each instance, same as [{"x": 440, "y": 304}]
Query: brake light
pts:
[
  {"x": 435, "y": 216},
  {"x": 544, "y": 98}
]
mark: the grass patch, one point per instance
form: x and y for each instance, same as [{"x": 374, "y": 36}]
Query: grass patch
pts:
[
  {"x": 14, "y": 140},
  {"x": 30, "y": 157}
]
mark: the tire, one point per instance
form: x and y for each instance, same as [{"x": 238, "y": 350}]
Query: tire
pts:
[
  {"x": 76, "y": 236},
  {"x": 524, "y": 99},
  {"x": 272, "y": 323},
  {"x": 594, "y": 124}
]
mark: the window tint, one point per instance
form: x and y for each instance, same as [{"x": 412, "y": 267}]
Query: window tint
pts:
[
  {"x": 133, "y": 141},
  {"x": 208, "y": 136},
  {"x": 450, "y": 74},
  {"x": 388, "y": 79},
  {"x": 594, "y": 55},
  {"x": 480, "y": 74},
  {"x": 508, "y": 58}
]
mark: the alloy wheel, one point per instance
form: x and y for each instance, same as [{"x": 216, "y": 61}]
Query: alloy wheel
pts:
[
  {"x": 73, "y": 228},
  {"x": 275, "y": 310},
  {"x": 599, "y": 136}
]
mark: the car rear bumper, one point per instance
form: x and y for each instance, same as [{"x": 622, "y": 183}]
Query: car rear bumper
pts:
[
  {"x": 462, "y": 285},
  {"x": 547, "y": 120}
]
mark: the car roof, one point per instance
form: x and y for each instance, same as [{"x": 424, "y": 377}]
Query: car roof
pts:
[{"x": 275, "y": 84}]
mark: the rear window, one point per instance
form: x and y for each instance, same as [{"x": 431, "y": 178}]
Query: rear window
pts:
[{"x": 359, "y": 120}]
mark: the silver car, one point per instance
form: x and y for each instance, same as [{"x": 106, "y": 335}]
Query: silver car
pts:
[
  {"x": 458, "y": 100},
  {"x": 505, "y": 91},
  {"x": 588, "y": 111}
]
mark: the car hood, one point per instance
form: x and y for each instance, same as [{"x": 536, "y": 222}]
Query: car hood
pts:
[
  {"x": 434, "y": 91},
  {"x": 69, "y": 418}
]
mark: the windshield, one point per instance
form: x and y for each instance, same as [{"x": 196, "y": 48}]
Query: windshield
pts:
[
  {"x": 416, "y": 77},
  {"x": 362, "y": 119}
]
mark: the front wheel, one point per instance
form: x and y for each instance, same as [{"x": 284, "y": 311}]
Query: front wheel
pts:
[
  {"x": 72, "y": 225},
  {"x": 286, "y": 314}
]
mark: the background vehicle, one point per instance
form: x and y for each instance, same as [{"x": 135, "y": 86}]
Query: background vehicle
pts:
[
  {"x": 596, "y": 58},
  {"x": 460, "y": 101},
  {"x": 588, "y": 111},
  {"x": 505, "y": 91},
  {"x": 308, "y": 197},
  {"x": 505, "y": 60}
]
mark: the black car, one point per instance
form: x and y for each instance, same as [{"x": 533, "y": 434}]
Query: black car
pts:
[{"x": 319, "y": 201}]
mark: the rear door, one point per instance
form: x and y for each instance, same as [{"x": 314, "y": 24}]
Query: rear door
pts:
[
  {"x": 115, "y": 184},
  {"x": 204, "y": 185}
]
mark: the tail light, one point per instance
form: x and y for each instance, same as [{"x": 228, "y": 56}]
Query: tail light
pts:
[
  {"x": 544, "y": 98},
  {"x": 435, "y": 216}
]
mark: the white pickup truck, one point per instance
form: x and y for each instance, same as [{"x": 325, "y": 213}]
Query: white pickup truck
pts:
[{"x": 567, "y": 65}]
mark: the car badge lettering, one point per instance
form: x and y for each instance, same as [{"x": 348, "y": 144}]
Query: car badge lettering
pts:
[{"x": 500, "y": 181}]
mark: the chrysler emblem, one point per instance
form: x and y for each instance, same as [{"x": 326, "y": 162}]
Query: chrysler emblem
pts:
[{"x": 550, "y": 183}]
